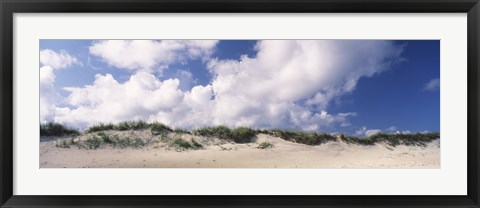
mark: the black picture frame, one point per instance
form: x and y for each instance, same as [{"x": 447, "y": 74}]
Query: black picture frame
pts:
[{"x": 9, "y": 7}]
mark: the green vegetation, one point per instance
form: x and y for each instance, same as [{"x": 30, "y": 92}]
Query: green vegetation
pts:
[
  {"x": 221, "y": 132},
  {"x": 123, "y": 126},
  {"x": 56, "y": 129},
  {"x": 100, "y": 127},
  {"x": 303, "y": 137},
  {"x": 102, "y": 140},
  {"x": 132, "y": 125},
  {"x": 93, "y": 143},
  {"x": 416, "y": 139},
  {"x": 159, "y": 129},
  {"x": 126, "y": 142},
  {"x": 195, "y": 144},
  {"x": 242, "y": 135},
  {"x": 236, "y": 135},
  {"x": 265, "y": 145},
  {"x": 356, "y": 140},
  {"x": 181, "y": 131},
  {"x": 65, "y": 143},
  {"x": 183, "y": 144},
  {"x": 105, "y": 138},
  {"x": 156, "y": 128}
]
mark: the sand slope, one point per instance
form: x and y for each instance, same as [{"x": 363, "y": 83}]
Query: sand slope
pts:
[{"x": 217, "y": 154}]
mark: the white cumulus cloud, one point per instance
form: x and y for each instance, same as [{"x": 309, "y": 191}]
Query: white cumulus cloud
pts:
[
  {"x": 290, "y": 70},
  {"x": 49, "y": 97},
  {"x": 106, "y": 100},
  {"x": 56, "y": 60},
  {"x": 150, "y": 55}
]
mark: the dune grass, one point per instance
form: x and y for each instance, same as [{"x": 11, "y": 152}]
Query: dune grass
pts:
[
  {"x": 243, "y": 135},
  {"x": 102, "y": 140},
  {"x": 93, "y": 143},
  {"x": 127, "y": 142},
  {"x": 416, "y": 139},
  {"x": 307, "y": 138},
  {"x": 184, "y": 144},
  {"x": 159, "y": 128},
  {"x": 100, "y": 127},
  {"x": 265, "y": 145},
  {"x": 155, "y": 127},
  {"x": 56, "y": 129},
  {"x": 235, "y": 135},
  {"x": 221, "y": 132},
  {"x": 195, "y": 144},
  {"x": 122, "y": 126},
  {"x": 65, "y": 143}
]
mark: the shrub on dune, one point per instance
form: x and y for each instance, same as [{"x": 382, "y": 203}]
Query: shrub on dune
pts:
[
  {"x": 184, "y": 144},
  {"x": 131, "y": 125},
  {"x": 242, "y": 135},
  {"x": 65, "y": 143},
  {"x": 195, "y": 144},
  {"x": 416, "y": 139},
  {"x": 181, "y": 131},
  {"x": 100, "y": 127},
  {"x": 105, "y": 138},
  {"x": 56, "y": 129},
  {"x": 181, "y": 143},
  {"x": 303, "y": 137},
  {"x": 93, "y": 143},
  {"x": 221, "y": 132},
  {"x": 237, "y": 135},
  {"x": 159, "y": 128},
  {"x": 265, "y": 145}
]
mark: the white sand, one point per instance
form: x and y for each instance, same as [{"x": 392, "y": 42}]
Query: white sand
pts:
[{"x": 284, "y": 154}]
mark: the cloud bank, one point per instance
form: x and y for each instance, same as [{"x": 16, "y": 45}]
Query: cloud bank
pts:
[
  {"x": 49, "y": 97},
  {"x": 287, "y": 84}
]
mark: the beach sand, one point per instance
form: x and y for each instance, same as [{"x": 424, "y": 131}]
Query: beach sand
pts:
[{"x": 214, "y": 154}]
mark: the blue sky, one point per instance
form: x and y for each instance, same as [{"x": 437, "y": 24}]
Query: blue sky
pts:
[{"x": 354, "y": 87}]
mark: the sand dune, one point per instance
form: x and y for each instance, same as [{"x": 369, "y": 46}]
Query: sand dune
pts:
[{"x": 220, "y": 154}]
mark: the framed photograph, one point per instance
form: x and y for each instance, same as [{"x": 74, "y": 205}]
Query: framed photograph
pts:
[{"x": 239, "y": 104}]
